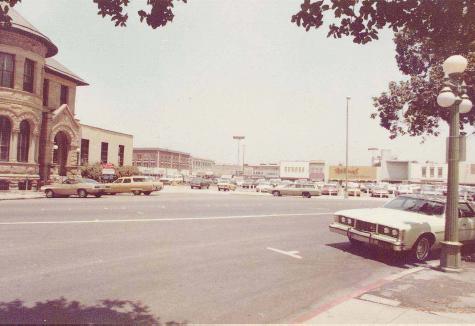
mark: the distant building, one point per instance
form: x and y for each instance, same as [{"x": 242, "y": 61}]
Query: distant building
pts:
[
  {"x": 355, "y": 173},
  {"x": 161, "y": 161},
  {"x": 226, "y": 169},
  {"x": 263, "y": 170},
  {"x": 294, "y": 170},
  {"x": 201, "y": 166}
]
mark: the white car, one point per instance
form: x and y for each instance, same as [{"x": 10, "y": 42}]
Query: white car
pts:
[
  {"x": 264, "y": 187},
  {"x": 408, "y": 223}
]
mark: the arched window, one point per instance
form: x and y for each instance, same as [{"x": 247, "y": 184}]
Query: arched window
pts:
[
  {"x": 23, "y": 142},
  {"x": 5, "y": 134}
]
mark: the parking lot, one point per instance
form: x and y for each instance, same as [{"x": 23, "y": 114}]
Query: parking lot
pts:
[{"x": 197, "y": 255}]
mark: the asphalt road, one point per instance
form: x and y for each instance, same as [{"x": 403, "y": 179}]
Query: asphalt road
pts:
[{"x": 201, "y": 258}]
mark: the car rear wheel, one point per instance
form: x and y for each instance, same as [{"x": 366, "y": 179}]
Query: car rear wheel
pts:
[
  {"x": 147, "y": 193},
  {"x": 82, "y": 193},
  {"x": 421, "y": 250},
  {"x": 136, "y": 192},
  {"x": 306, "y": 195},
  {"x": 276, "y": 193},
  {"x": 49, "y": 193},
  {"x": 98, "y": 195}
]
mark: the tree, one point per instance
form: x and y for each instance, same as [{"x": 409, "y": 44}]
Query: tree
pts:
[
  {"x": 426, "y": 32},
  {"x": 157, "y": 13},
  {"x": 92, "y": 171},
  {"x": 126, "y": 171}
]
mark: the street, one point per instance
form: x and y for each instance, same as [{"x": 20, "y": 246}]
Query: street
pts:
[{"x": 201, "y": 258}]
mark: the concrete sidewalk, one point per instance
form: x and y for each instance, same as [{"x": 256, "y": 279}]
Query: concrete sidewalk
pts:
[
  {"x": 423, "y": 295},
  {"x": 21, "y": 194}
]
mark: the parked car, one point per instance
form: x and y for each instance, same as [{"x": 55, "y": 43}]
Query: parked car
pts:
[
  {"x": 353, "y": 191},
  {"x": 82, "y": 187},
  {"x": 167, "y": 180},
  {"x": 408, "y": 223},
  {"x": 199, "y": 183},
  {"x": 134, "y": 184},
  {"x": 403, "y": 190},
  {"x": 429, "y": 190},
  {"x": 380, "y": 191},
  {"x": 247, "y": 183},
  {"x": 274, "y": 182},
  {"x": 330, "y": 190},
  {"x": 304, "y": 190},
  {"x": 264, "y": 187},
  {"x": 226, "y": 185}
]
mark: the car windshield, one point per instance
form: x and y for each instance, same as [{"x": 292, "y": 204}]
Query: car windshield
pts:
[
  {"x": 422, "y": 206},
  {"x": 85, "y": 180}
]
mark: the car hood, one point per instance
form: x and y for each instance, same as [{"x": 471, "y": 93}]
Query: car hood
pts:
[{"x": 391, "y": 217}]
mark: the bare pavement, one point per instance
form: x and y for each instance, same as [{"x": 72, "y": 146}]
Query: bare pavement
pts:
[{"x": 207, "y": 257}]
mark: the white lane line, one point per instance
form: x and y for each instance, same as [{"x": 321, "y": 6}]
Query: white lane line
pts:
[
  {"x": 288, "y": 253},
  {"x": 164, "y": 219}
]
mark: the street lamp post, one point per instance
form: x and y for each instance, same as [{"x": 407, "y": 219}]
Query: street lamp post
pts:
[
  {"x": 238, "y": 138},
  {"x": 453, "y": 97},
  {"x": 346, "y": 168}
]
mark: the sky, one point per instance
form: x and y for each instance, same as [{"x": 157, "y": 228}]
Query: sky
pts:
[{"x": 225, "y": 68}]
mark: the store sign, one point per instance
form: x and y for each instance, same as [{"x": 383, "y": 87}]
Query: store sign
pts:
[
  {"x": 108, "y": 171},
  {"x": 363, "y": 173}
]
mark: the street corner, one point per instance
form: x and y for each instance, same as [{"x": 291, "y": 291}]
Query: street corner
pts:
[{"x": 430, "y": 290}]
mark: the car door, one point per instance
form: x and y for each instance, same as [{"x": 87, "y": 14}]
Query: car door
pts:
[
  {"x": 126, "y": 185},
  {"x": 466, "y": 222}
]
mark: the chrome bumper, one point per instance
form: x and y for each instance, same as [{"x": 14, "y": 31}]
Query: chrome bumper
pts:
[{"x": 368, "y": 237}]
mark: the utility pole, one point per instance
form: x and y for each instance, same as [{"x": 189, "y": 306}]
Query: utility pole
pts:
[
  {"x": 238, "y": 138},
  {"x": 346, "y": 168}
]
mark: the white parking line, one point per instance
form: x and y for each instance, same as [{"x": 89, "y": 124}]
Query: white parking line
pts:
[
  {"x": 288, "y": 253},
  {"x": 164, "y": 219}
]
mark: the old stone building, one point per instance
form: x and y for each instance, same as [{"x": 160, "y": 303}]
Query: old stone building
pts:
[{"x": 40, "y": 137}]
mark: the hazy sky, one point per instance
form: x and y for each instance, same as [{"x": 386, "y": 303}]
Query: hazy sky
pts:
[{"x": 224, "y": 68}]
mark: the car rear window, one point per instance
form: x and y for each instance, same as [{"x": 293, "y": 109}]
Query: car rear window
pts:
[{"x": 139, "y": 179}]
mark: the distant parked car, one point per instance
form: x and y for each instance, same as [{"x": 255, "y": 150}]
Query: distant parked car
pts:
[
  {"x": 226, "y": 185},
  {"x": 403, "y": 190},
  {"x": 199, "y": 183},
  {"x": 247, "y": 183},
  {"x": 304, "y": 190},
  {"x": 330, "y": 190},
  {"x": 264, "y": 187},
  {"x": 81, "y": 187},
  {"x": 353, "y": 191},
  {"x": 380, "y": 191}
]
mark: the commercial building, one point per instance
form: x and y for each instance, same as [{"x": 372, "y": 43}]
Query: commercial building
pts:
[
  {"x": 355, "y": 173},
  {"x": 161, "y": 161},
  {"x": 263, "y": 170},
  {"x": 105, "y": 146},
  {"x": 294, "y": 170},
  {"x": 201, "y": 166},
  {"x": 40, "y": 137},
  {"x": 226, "y": 169}
]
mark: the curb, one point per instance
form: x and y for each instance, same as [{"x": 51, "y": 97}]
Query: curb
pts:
[
  {"x": 307, "y": 317},
  {"x": 21, "y": 198}
]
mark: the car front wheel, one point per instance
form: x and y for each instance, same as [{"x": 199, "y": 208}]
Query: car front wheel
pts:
[
  {"x": 276, "y": 193},
  {"x": 421, "y": 250}
]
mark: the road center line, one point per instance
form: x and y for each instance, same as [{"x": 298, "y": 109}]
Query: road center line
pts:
[
  {"x": 288, "y": 253},
  {"x": 141, "y": 220}
]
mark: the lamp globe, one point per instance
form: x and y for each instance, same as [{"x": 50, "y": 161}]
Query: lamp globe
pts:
[
  {"x": 454, "y": 64},
  {"x": 446, "y": 98}
]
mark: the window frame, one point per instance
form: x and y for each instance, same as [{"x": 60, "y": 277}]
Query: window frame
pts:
[
  {"x": 2, "y": 71},
  {"x": 64, "y": 95},
  {"x": 104, "y": 152},
  {"x": 29, "y": 85}
]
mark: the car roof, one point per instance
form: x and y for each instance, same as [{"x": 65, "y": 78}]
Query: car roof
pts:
[{"x": 437, "y": 198}]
